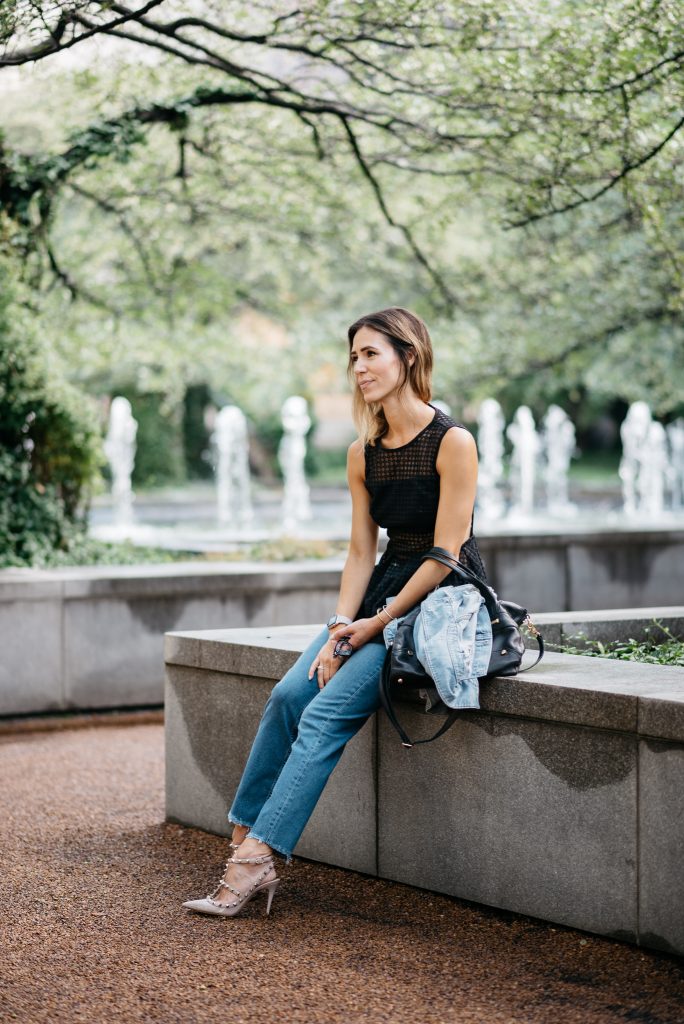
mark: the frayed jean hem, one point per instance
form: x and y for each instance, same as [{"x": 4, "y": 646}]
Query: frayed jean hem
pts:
[
  {"x": 236, "y": 821},
  {"x": 245, "y": 824},
  {"x": 283, "y": 853}
]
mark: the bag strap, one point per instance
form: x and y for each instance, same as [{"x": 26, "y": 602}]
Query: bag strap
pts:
[
  {"x": 386, "y": 701},
  {"x": 540, "y": 641},
  {"x": 446, "y": 558},
  {"x": 443, "y": 556},
  {"x": 388, "y": 706}
]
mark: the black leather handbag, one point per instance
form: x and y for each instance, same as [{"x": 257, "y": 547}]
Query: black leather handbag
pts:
[{"x": 403, "y": 671}]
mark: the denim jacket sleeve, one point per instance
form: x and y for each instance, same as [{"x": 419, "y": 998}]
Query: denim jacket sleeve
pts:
[{"x": 453, "y": 638}]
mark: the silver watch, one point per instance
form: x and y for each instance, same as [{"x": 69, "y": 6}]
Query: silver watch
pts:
[{"x": 335, "y": 620}]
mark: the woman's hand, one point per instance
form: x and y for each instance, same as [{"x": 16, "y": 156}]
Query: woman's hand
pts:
[
  {"x": 325, "y": 664},
  {"x": 358, "y": 633}
]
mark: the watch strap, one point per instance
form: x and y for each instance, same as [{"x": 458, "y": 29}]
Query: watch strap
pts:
[{"x": 336, "y": 620}]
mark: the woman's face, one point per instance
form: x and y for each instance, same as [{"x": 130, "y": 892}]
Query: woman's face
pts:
[{"x": 378, "y": 370}]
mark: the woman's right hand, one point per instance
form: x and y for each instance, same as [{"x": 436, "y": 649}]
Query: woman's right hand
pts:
[{"x": 324, "y": 666}]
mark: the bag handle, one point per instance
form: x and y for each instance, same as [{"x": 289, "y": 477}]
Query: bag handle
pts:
[
  {"x": 388, "y": 706},
  {"x": 540, "y": 643},
  {"x": 386, "y": 701},
  {"x": 447, "y": 559}
]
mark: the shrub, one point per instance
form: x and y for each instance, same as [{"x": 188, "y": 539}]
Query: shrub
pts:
[{"x": 50, "y": 449}]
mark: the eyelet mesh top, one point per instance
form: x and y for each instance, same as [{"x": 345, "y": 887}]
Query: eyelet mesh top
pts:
[{"x": 403, "y": 484}]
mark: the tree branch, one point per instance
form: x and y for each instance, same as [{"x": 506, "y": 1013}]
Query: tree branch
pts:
[
  {"x": 75, "y": 290},
  {"x": 108, "y": 207},
  {"x": 447, "y": 295},
  {"x": 54, "y": 44},
  {"x": 536, "y": 366},
  {"x": 592, "y": 197}
]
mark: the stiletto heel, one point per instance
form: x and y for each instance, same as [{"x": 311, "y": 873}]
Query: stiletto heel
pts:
[
  {"x": 270, "y": 888},
  {"x": 209, "y": 905}
]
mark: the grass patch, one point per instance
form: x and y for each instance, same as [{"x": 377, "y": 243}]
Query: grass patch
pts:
[
  {"x": 85, "y": 551},
  {"x": 288, "y": 549},
  {"x": 660, "y": 647}
]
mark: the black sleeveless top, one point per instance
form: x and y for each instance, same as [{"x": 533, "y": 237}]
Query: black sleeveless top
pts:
[{"x": 403, "y": 484}]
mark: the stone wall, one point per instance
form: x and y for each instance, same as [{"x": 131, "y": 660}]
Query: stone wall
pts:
[
  {"x": 92, "y": 637},
  {"x": 563, "y": 797}
]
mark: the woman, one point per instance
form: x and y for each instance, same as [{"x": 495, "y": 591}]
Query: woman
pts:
[{"x": 413, "y": 473}]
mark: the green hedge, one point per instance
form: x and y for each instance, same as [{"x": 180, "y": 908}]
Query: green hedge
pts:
[{"x": 50, "y": 448}]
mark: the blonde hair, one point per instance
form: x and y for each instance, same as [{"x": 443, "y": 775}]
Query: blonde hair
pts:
[{"x": 407, "y": 334}]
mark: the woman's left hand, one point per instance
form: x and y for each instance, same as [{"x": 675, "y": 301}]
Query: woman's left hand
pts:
[{"x": 359, "y": 632}]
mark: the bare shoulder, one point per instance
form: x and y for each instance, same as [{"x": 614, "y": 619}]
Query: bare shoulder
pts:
[
  {"x": 355, "y": 452},
  {"x": 356, "y": 458},
  {"x": 457, "y": 446},
  {"x": 459, "y": 442}
]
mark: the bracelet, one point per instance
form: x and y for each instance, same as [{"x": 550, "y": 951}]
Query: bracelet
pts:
[{"x": 379, "y": 614}]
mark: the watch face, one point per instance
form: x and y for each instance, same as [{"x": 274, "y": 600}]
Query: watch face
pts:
[{"x": 334, "y": 620}]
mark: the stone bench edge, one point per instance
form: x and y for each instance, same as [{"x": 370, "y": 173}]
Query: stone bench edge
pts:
[{"x": 644, "y": 700}]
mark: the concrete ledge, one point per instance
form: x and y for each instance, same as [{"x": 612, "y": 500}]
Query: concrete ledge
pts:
[
  {"x": 101, "y": 626},
  {"x": 563, "y": 797},
  {"x": 601, "y": 694}
]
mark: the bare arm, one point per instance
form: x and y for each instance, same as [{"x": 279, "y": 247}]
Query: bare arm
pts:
[
  {"x": 363, "y": 549},
  {"x": 457, "y": 468},
  {"x": 363, "y": 544}
]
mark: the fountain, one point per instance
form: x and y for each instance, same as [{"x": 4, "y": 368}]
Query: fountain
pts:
[
  {"x": 558, "y": 447},
  {"x": 651, "y": 469},
  {"x": 490, "y": 442},
  {"x": 291, "y": 455},
  {"x": 654, "y": 472},
  {"x": 651, "y": 474},
  {"x": 231, "y": 444},
  {"x": 675, "y": 474},
  {"x": 522, "y": 432},
  {"x": 652, "y": 465},
  {"x": 119, "y": 446},
  {"x": 634, "y": 436}
]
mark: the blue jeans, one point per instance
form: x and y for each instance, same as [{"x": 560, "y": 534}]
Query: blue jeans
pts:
[{"x": 300, "y": 739}]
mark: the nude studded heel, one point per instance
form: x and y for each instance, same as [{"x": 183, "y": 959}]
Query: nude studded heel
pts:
[{"x": 211, "y": 906}]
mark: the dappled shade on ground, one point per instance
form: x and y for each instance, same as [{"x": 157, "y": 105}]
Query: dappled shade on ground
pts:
[{"x": 91, "y": 888}]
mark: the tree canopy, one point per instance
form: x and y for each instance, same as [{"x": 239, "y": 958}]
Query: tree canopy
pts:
[{"x": 512, "y": 170}]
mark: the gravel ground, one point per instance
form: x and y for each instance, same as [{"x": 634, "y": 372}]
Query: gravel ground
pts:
[{"x": 92, "y": 928}]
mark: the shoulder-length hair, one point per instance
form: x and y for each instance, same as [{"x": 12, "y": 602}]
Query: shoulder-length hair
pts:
[{"x": 408, "y": 335}]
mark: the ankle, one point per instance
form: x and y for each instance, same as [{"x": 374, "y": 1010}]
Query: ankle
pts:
[
  {"x": 240, "y": 833},
  {"x": 253, "y": 848}
]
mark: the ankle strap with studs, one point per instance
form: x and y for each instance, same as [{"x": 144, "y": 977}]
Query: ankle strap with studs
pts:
[{"x": 265, "y": 858}]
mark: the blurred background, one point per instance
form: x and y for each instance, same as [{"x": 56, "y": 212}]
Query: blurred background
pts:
[{"x": 197, "y": 199}]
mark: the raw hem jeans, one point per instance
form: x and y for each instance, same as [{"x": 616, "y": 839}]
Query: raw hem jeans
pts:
[{"x": 300, "y": 739}]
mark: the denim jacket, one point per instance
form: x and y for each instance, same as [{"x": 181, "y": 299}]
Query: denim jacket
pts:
[{"x": 453, "y": 642}]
